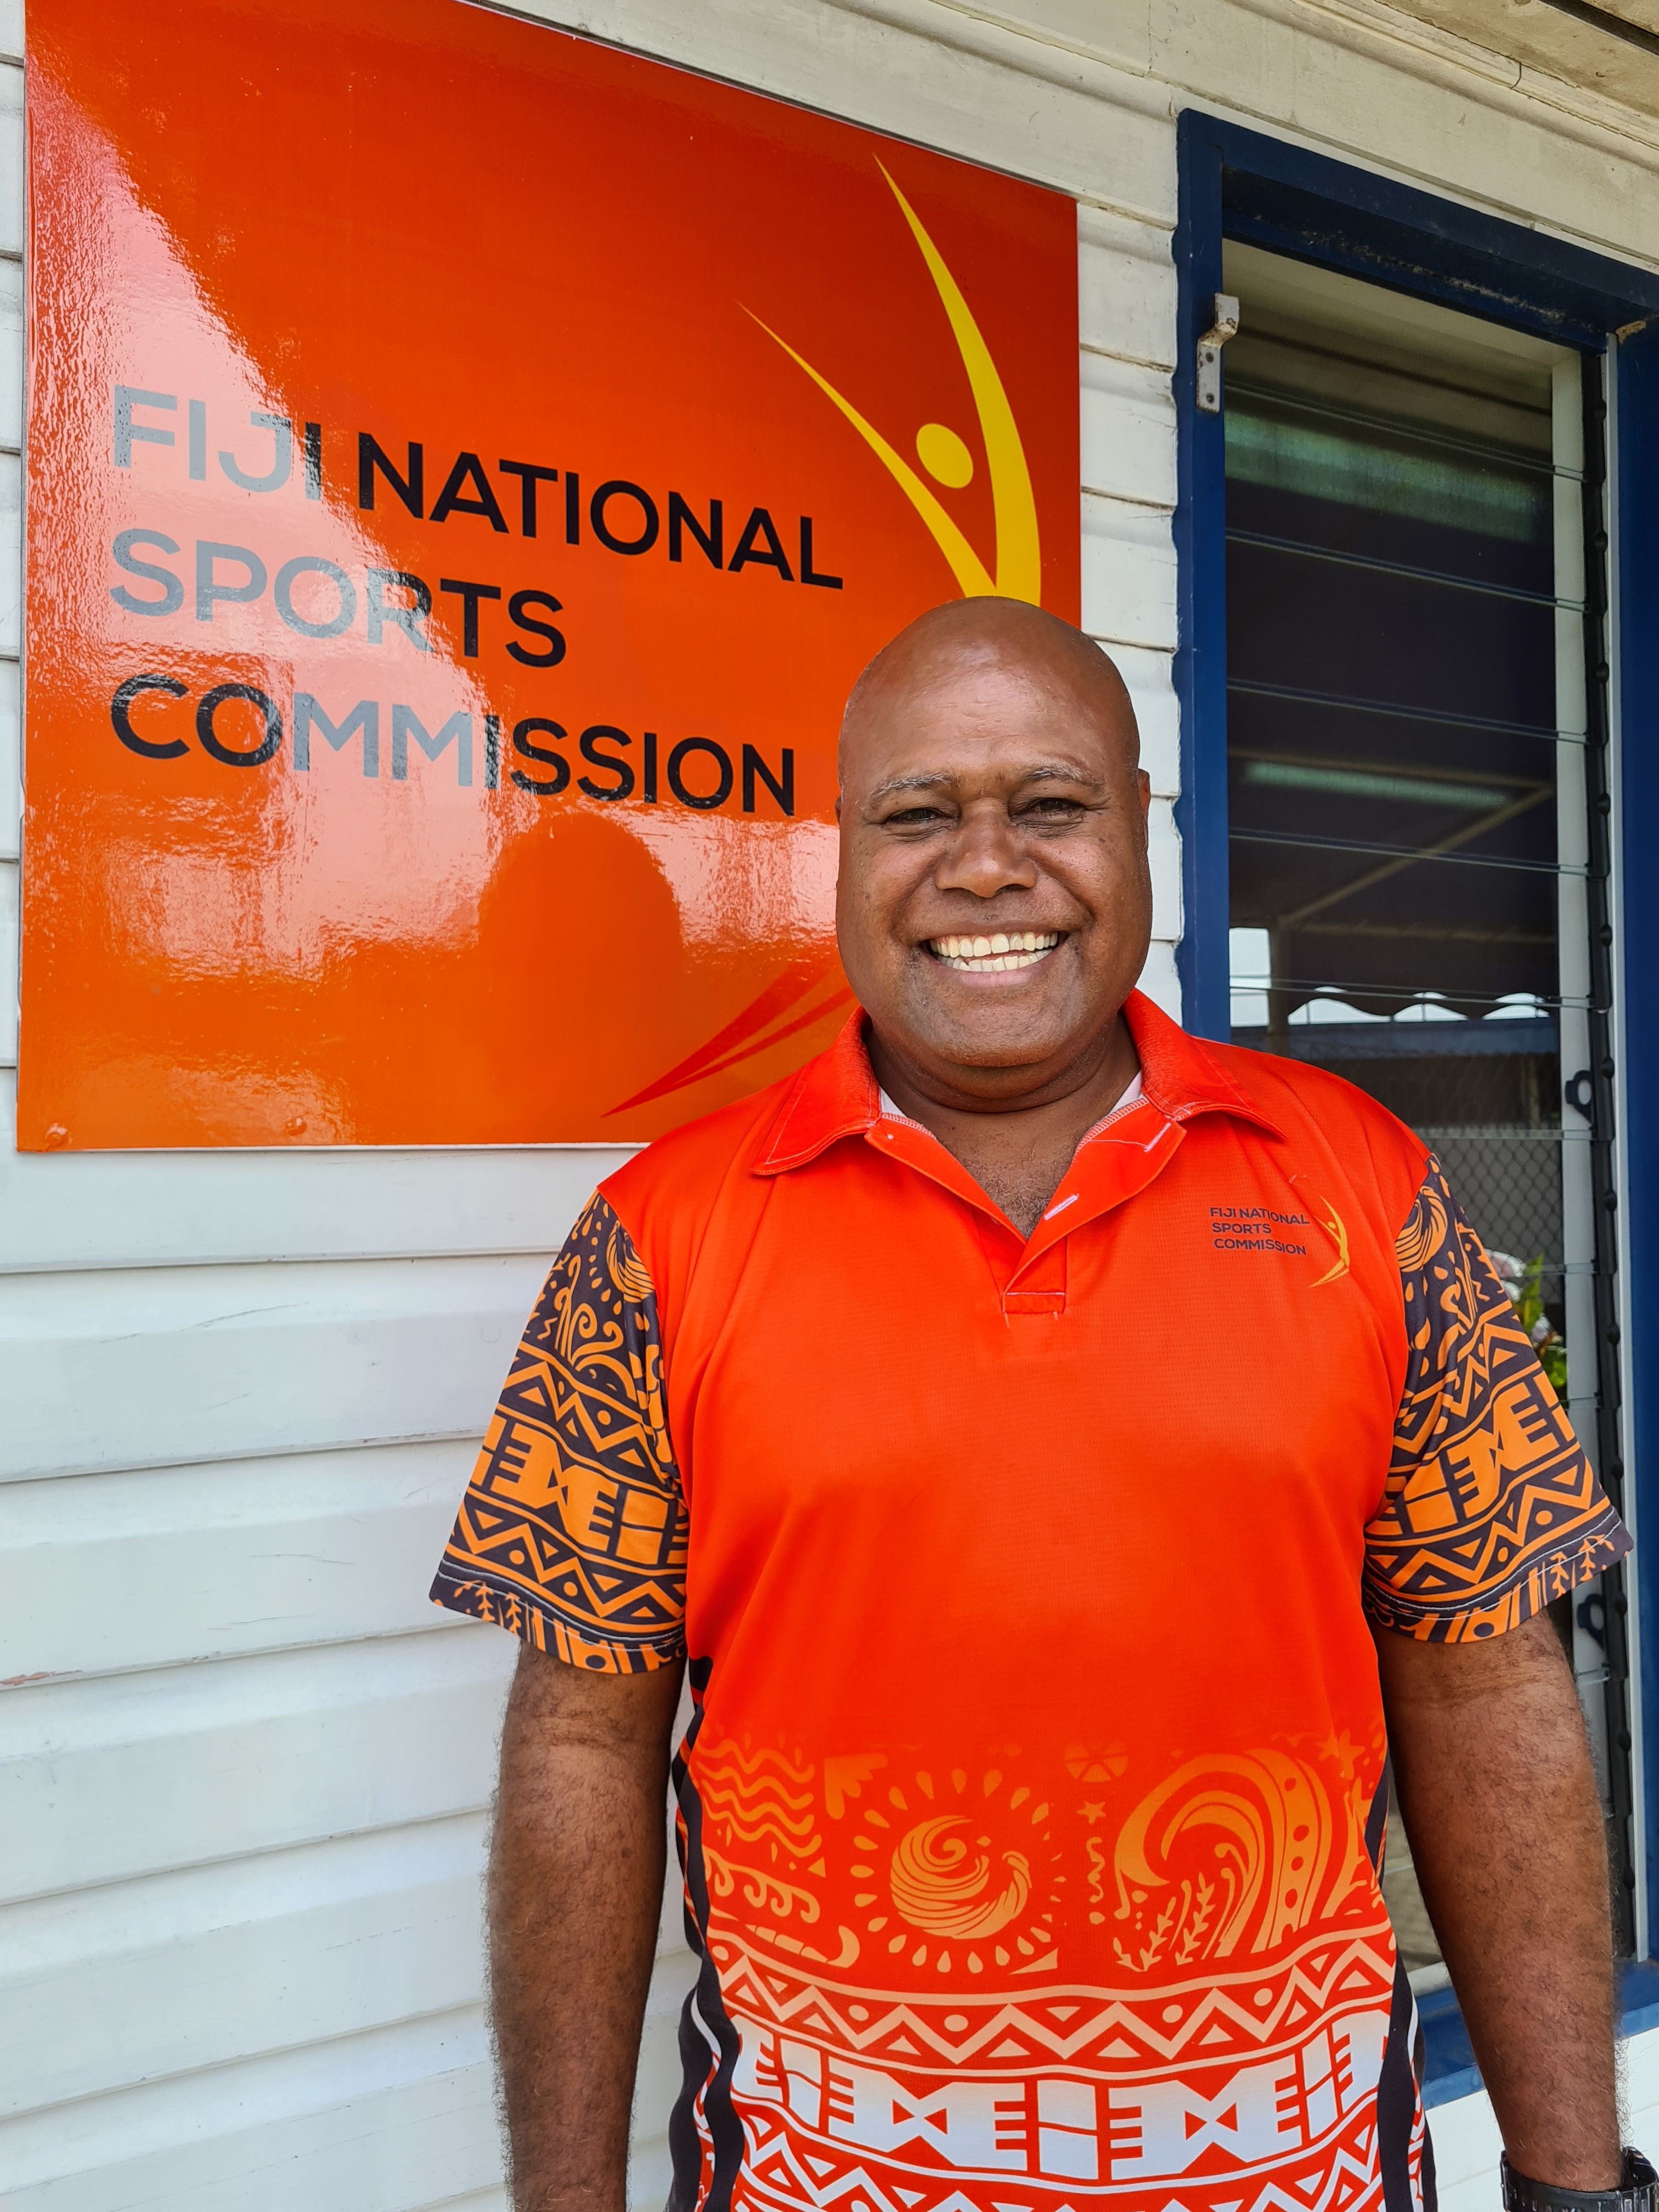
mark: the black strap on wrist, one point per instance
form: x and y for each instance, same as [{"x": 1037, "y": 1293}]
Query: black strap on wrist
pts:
[{"x": 1638, "y": 2191}]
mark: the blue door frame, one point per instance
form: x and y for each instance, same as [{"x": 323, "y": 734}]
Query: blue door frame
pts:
[{"x": 1239, "y": 183}]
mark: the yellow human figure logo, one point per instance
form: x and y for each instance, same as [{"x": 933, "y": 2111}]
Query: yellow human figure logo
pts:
[
  {"x": 946, "y": 458},
  {"x": 1332, "y": 1221}
]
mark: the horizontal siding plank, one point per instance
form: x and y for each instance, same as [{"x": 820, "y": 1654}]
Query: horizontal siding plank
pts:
[
  {"x": 1109, "y": 29},
  {"x": 11, "y": 546},
  {"x": 399, "y": 2149},
  {"x": 1166, "y": 871},
  {"x": 430, "y": 2143},
  {"x": 1128, "y": 431},
  {"x": 149, "y": 1569},
  {"x": 323, "y": 2126},
  {"x": 11, "y": 154},
  {"x": 1159, "y": 979},
  {"x": 94, "y": 2141},
  {"x": 10, "y": 885},
  {"x": 186, "y": 1969},
  {"x": 1126, "y": 288},
  {"x": 1128, "y": 574},
  {"x": 145, "y": 1773},
  {"x": 89, "y": 1210},
  {"x": 167, "y": 1366},
  {"x": 1252, "y": 68},
  {"x": 11, "y": 353},
  {"x": 1485, "y": 142},
  {"x": 101, "y": 2135},
  {"x": 1149, "y": 677},
  {"x": 11, "y": 771}
]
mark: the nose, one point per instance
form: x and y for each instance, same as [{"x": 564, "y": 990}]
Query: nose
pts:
[{"x": 985, "y": 856}]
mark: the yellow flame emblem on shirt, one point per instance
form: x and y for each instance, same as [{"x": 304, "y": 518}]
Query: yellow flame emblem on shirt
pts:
[
  {"x": 1332, "y": 1222},
  {"x": 946, "y": 458}
]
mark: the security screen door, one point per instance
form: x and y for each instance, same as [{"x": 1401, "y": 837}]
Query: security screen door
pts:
[{"x": 1417, "y": 878}]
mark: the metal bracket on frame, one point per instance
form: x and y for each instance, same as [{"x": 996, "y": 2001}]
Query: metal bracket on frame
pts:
[{"x": 1224, "y": 327}]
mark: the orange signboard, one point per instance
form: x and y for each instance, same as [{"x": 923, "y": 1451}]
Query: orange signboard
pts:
[{"x": 468, "y": 467}]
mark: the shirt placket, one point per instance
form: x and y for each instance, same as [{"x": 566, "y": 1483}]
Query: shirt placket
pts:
[{"x": 1110, "y": 1167}]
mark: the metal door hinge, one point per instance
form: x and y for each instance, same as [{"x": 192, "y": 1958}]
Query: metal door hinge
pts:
[{"x": 1224, "y": 327}]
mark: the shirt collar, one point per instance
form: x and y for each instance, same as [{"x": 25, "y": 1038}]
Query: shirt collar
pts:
[
  {"x": 1179, "y": 1073},
  {"x": 836, "y": 1095}
]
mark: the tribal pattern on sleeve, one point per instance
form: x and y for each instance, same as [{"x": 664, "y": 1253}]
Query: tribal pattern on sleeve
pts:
[
  {"x": 572, "y": 1530},
  {"x": 1490, "y": 1508}
]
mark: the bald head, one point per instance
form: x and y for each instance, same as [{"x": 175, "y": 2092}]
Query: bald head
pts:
[
  {"x": 950, "y": 643},
  {"x": 994, "y": 903}
]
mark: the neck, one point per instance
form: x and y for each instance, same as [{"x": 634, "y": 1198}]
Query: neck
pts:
[{"x": 1015, "y": 1146}]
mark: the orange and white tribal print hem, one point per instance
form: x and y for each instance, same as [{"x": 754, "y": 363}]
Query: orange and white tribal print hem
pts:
[{"x": 1012, "y": 1986}]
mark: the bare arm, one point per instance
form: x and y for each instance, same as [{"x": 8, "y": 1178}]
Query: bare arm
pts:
[
  {"x": 1493, "y": 1770},
  {"x": 575, "y": 1887}
]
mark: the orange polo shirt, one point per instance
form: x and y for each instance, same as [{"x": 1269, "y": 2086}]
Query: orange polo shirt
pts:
[{"x": 1031, "y": 1816}]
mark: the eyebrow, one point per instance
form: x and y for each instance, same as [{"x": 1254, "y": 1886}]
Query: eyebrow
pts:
[{"x": 931, "y": 779}]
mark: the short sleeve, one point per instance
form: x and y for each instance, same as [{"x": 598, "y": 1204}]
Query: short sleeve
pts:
[
  {"x": 572, "y": 1530},
  {"x": 1490, "y": 1508}
]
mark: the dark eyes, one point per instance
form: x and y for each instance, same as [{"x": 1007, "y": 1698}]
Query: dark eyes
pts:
[{"x": 1049, "y": 809}]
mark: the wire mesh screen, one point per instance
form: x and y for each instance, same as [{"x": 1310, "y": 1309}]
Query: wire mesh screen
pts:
[
  {"x": 1510, "y": 1180},
  {"x": 1494, "y": 1121}
]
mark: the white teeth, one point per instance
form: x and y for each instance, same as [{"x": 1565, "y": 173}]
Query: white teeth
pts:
[{"x": 983, "y": 956}]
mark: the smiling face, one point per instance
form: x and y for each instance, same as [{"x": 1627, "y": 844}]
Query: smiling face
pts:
[{"x": 994, "y": 903}]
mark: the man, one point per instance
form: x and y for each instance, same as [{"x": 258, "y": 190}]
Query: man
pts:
[{"x": 1041, "y": 1430}]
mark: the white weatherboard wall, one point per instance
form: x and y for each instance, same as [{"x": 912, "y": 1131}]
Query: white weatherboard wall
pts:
[{"x": 244, "y": 1773}]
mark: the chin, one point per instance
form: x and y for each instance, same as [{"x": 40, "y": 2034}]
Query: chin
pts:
[{"x": 1008, "y": 1037}]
